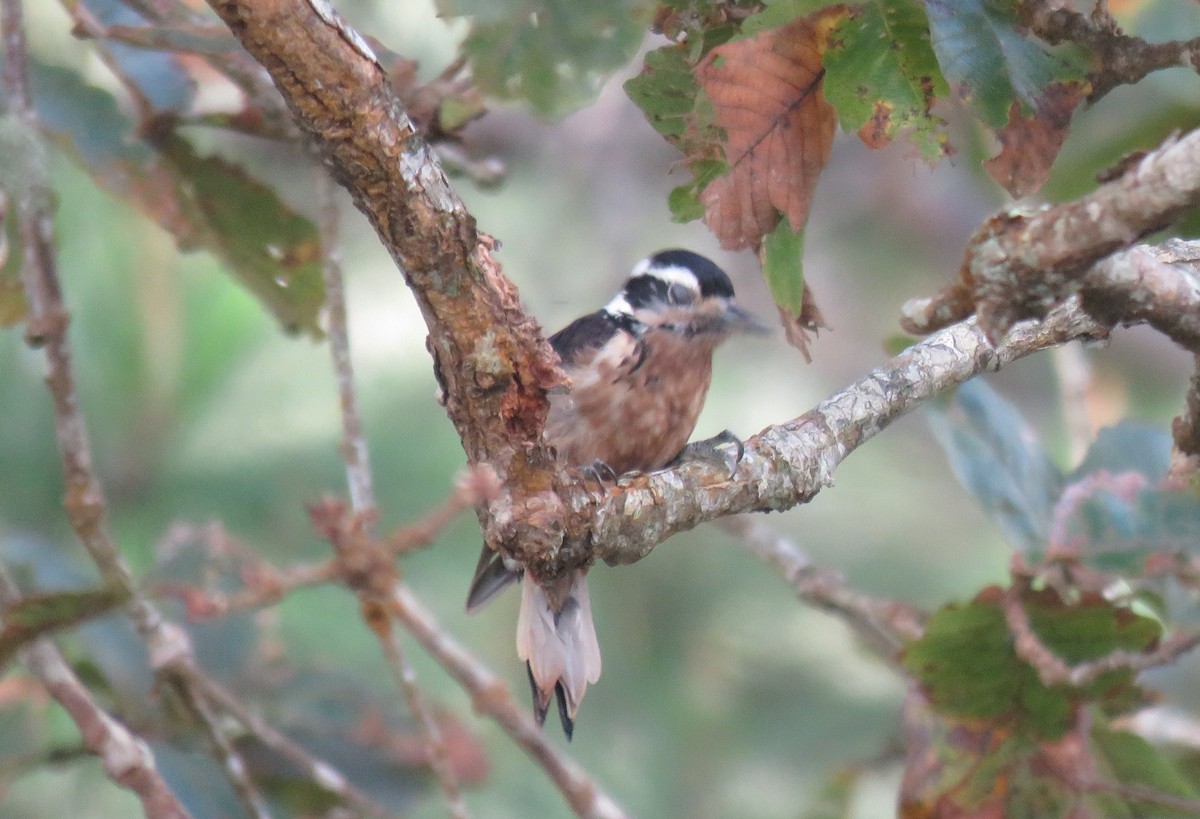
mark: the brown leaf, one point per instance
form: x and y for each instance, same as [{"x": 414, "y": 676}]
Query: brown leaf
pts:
[
  {"x": 766, "y": 95},
  {"x": 1030, "y": 144},
  {"x": 800, "y": 329}
]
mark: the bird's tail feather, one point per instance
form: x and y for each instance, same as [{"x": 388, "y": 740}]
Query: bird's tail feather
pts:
[
  {"x": 492, "y": 576},
  {"x": 557, "y": 640}
]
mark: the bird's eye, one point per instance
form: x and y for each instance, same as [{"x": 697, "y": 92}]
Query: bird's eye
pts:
[{"x": 680, "y": 294}]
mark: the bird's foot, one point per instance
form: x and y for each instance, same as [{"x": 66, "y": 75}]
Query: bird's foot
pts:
[{"x": 714, "y": 449}]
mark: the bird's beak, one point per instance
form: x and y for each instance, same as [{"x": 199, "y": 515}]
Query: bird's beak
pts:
[{"x": 738, "y": 320}]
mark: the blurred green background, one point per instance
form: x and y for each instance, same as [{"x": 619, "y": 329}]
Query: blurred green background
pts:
[{"x": 721, "y": 696}]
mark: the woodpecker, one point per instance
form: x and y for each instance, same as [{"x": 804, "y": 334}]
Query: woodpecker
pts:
[{"x": 639, "y": 371}]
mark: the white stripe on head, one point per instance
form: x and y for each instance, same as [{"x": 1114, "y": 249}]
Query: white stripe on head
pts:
[
  {"x": 619, "y": 306},
  {"x": 672, "y": 274}
]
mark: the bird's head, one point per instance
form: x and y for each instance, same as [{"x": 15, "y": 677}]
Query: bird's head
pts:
[{"x": 684, "y": 293}]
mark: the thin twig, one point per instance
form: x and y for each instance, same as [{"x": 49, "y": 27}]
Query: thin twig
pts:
[
  {"x": 46, "y": 327},
  {"x": 886, "y": 625},
  {"x": 354, "y": 445},
  {"x": 266, "y": 587},
  {"x": 406, "y": 680},
  {"x": 1053, "y": 670},
  {"x": 85, "y": 504},
  {"x": 477, "y": 484},
  {"x": 1133, "y": 792},
  {"x": 169, "y": 648},
  {"x": 233, "y": 765},
  {"x": 1074, "y": 383},
  {"x": 323, "y": 774},
  {"x": 265, "y": 584},
  {"x": 362, "y": 498},
  {"x": 126, "y": 758},
  {"x": 491, "y": 696}
]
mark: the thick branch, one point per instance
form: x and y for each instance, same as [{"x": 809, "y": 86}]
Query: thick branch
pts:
[
  {"x": 1019, "y": 264},
  {"x": 1158, "y": 285}
]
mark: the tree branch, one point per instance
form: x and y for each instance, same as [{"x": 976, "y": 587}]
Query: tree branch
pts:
[
  {"x": 1019, "y": 265},
  {"x": 1157, "y": 285},
  {"x": 320, "y": 772},
  {"x": 1124, "y": 60},
  {"x": 233, "y": 764},
  {"x": 168, "y": 646},
  {"x": 353, "y": 447},
  {"x": 885, "y": 625},
  {"x": 431, "y": 732}
]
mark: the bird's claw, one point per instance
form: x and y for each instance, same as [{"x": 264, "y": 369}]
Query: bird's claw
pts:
[
  {"x": 710, "y": 449},
  {"x": 601, "y": 473}
]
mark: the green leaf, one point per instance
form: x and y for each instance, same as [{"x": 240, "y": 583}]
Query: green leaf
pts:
[
  {"x": 969, "y": 669},
  {"x": 1127, "y": 447},
  {"x": 684, "y": 201},
  {"x": 882, "y": 76},
  {"x": 989, "y": 63},
  {"x": 998, "y": 458},
  {"x": 1114, "y": 509},
  {"x": 38, "y": 615},
  {"x": 87, "y": 123},
  {"x": 776, "y": 13},
  {"x": 555, "y": 54},
  {"x": 1131, "y": 760},
  {"x": 272, "y": 250},
  {"x": 959, "y": 767},
  {"x": 783, "y": 268},
  {"x": 203, "y": 202},
  {"x": 666, "y": 91}
]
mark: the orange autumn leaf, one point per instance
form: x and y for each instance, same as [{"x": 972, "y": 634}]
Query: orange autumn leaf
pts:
[{"x": 766, "y": 95}]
